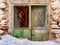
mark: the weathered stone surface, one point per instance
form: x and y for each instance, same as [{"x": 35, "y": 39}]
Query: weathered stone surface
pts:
[
  {"x": 55, "y": 17},
  {"x": 2, "y": 5},
  {"x": 1, "y": 1},
  {"x": 1, "y": 31},
  {"x": 54, "y": 5},
  {"x": 53, "y": 22},
  {"x": 55, "y": 11},
  {"x": 55, "y": 26},
  {"x": 20, "y": 1},
  {"x": 1, "y": 17},
  {"x": 55, "y": 30},
  {"x": 1, "y": 12},
  {"x": 38, "y": 0}
]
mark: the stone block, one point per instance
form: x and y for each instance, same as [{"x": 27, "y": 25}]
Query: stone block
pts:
[
  {"x": 2, "y": 5},
  {"x": 55, "y": 26}
]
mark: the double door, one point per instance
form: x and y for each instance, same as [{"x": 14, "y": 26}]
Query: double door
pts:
[{"x": 30, "y": 22}]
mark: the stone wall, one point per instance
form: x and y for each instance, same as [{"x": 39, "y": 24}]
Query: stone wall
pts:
[
  {"x": 54, "y": 17},
  {"x": 3, "y": 16}
]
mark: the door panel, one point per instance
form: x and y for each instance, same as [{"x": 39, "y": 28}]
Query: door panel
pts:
[
  {"x": 22, "y": 33},
  {"x": 21, "y": 16},
  {"x": 38, "y": 16},
  {"x": 38, "y": 35}
]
